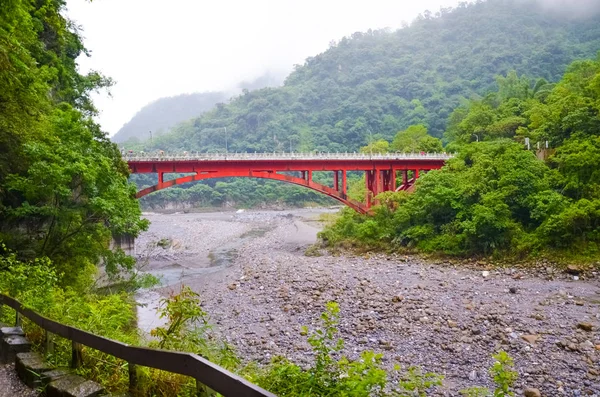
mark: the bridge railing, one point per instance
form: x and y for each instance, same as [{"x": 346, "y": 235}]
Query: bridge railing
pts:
[
  {"x": 205, "y": 372},
  {"x": 182, "y": 156}
]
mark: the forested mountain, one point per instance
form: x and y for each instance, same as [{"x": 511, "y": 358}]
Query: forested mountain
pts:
[
  {"x": 384, "y": 81},
  {"x": 496, "y": 197},
  {"x": 164, "y": 113}
]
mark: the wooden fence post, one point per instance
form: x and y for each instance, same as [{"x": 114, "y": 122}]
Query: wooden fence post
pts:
[
  {"x": 48, "y": 343},
  {"x": 17, "y": 319},
  {"x": 76, "y": 358},
  {"x": 204, "y": 391},
  {"x": 133, "y": 378}
]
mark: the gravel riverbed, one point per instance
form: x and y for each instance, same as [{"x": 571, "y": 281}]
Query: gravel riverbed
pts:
[{"x": 448, "y": 318}]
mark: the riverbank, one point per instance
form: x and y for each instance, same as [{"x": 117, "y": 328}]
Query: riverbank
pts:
[{"x": 444, "y": 317}]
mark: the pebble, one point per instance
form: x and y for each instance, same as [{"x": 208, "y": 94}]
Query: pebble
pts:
[
  {"x": 585, "y": 326},
  {"x": 532, "y": 392}
]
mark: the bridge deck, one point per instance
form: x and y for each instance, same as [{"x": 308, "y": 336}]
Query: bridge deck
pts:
[
  {"x": 141, "y": 156},
  {"x": 381, "y": 170}
]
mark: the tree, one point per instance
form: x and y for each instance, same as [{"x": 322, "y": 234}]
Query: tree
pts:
[
  {"x": 416, "y": 139},
  {"x": 63, "y": 185},
  {"x": 378, "y": 147}
]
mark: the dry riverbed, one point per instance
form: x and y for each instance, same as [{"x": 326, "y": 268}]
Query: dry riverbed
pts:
[{"x": 259, "y": 289}]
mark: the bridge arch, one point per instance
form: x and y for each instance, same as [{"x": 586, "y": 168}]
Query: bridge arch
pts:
[
  {"x": 383, "y": 172},
  {"x": 308, "y": 183}
]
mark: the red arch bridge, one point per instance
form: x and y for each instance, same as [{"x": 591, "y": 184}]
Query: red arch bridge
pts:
[{"x": 384, "y": 172}]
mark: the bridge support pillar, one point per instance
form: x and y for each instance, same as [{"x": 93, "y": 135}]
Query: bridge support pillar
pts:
[
  {"x": 416, "y": 174},
  {"x": 369, "y": 182},
  {"x": 336, "y": 180},
  {"x": 344, "y": 183},
  {"x": 375, "y": 184},
  {"x": 389, "y": 180},
  {"x": 160, "y": 178}
]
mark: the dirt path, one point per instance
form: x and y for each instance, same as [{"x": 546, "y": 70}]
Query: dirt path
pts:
[
  {"x": 445, "y": 318},
  {"x": 11, "y": 386}
]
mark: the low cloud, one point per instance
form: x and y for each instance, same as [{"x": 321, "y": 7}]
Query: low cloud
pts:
[{"x": 572, "y": 8}]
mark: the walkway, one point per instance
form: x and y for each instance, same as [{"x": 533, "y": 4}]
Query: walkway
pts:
[{"x": 11, "y": 386}]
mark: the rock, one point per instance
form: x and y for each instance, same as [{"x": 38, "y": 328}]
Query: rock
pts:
[
  {"x": 452, "y": 324},
  {"x": 574, "y": 270},
  {"x": 232, "y": 286},
  {"x": 585, "y": 326},
  {"x": 473, "y": 375},
  {"x": 485, "y": 273},
  {"x": 531, "y": 392},
  {"x": 531, "y": 339},
  {"x": 397, "y": 298},
  {"x": 587, "y": 345},
  {"x": 512, "y": 290}
]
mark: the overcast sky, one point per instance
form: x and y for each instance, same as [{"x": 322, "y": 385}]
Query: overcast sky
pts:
[{"x": 157, "y": 48}]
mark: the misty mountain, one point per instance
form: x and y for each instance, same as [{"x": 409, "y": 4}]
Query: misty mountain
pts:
[
  {"x": 164, "y": 113},
  {"x": 160, "y": 115},
  {"x": 379, "y": 82}
]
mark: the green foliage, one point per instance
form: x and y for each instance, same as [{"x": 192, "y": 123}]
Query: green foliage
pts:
[
  {"x": 414, "y": 140},
  {"x": 572, "y": 107},
  {"x": 329, "y": 376},
  {"x": 159, "y": 116},
  {"x": 239, "y": 192},
  {"x": 416, "y": 383},
  {"x": 495, "y": 197},
  {"x": 380, "y": 146},
  {"x": 182, "y": 311},
  {"x": 476, "y": 391},
  {"x": 503, "y": 375},
  {"x": 63, "y": 185}
]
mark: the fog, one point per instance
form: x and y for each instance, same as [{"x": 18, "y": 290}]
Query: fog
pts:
[
  {"x": 155, "y": 48},
  {"x": 573, "y": 8}
]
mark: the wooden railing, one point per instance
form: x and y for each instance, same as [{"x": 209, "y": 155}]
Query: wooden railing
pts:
[{"x": 209, "y": 377}]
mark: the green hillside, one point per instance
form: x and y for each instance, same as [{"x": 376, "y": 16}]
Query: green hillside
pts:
[
  {"x": 495, "y": 197},
  {"x": 383, "y": 81},
  {"x": 162, "y": 114}
]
